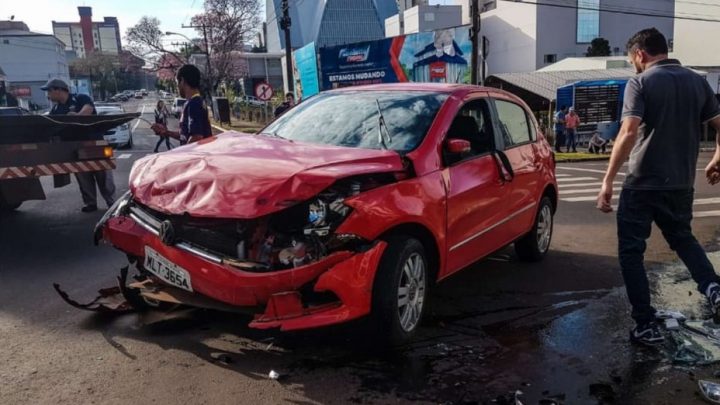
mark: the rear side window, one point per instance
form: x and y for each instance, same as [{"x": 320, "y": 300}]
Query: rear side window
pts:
[{"x": 513, "y": 122}]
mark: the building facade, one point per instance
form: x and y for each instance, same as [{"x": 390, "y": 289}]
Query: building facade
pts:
[
  {"x": 524, "y": 37},
  {"x": 29, "y": 59},
  {"x": 423, "y": 18},
  {"x": 328, "y": 22},
  {"x": 87, "y": 36},
  {"x": 694, "y": 41}
]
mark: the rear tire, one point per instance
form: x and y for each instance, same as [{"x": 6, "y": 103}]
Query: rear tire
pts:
[
  {"x": 400, "y": 290},
  {"x": 534, "y": 246}
]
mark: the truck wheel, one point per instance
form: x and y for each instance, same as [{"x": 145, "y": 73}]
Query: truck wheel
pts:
[
  {"x": 400, "y": 291},
  {"x": 534, "y": 246}
]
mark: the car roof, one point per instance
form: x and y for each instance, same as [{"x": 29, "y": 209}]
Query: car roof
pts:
[{"x": 450, "y": 88}]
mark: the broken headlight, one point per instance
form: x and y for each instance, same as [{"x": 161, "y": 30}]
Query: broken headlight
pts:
[{"x": 118, "y": 208}]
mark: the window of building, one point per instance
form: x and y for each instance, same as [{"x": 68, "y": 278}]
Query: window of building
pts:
[
  {"x": 550, "y": 58},
  {"x": 513, "y": 123},
  {"x": 588, "y": 20}
]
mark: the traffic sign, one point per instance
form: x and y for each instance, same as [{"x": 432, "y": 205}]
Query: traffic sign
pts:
[{"x": 263, "y": 91}]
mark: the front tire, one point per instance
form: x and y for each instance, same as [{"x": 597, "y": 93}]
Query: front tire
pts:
[
  {"x": 400, "y": 292},
  {"x": 535, "y": 244}
]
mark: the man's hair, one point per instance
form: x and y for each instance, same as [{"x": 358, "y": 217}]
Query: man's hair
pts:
[
  {"x": 190, "y": 74},
  {"x": 650, "y": 40},
  {"x": 289, "y": 95},
  {"x": 562, "y": 107}
]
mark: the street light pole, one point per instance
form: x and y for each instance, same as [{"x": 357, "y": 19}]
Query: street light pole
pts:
[
  {"x": 474, "y": 33},
  {"x": 285, "y": 23},
  {"x": 207, "y": 52}
]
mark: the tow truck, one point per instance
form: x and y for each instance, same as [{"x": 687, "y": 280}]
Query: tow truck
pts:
[{"x": 34, "y": 146}]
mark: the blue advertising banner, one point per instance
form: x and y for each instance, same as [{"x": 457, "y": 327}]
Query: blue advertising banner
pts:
[
  {"x": 442, "y": 56},
  {"x": 305, "y": 71}
]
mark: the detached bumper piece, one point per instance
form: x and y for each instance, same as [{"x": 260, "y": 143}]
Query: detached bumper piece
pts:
[{"x": 108, "y": 300}]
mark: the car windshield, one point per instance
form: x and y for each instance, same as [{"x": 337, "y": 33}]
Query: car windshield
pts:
[
  {"x": 351, "y": 119},
  {"x": 179, "y": 103},
  {"x": 108, "y": 111}
]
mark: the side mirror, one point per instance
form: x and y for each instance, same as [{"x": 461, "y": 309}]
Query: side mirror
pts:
[{"x": 457, "y": 146}]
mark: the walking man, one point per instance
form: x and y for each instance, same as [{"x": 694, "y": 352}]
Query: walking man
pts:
[
  {"x": 288, "y": 104},
  {"x": 66, "y": 103},
  {"x": 559, "y": 120},
  {"x": 572, "y": 122},
  {"x": 664, "y": 107}
]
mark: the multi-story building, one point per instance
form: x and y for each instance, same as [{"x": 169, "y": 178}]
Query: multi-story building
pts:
[
  {"x": 422, "y": 18},
  {"x": 29, "y": 59},
  {"x": 87, "y": 36},
  {"x": 524, "y": 37},
  {"x": 693, "y": 41},
  {"x": 328, "y": 22}
]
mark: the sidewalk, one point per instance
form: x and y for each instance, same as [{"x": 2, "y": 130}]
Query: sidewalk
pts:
[{"x": 237, "y": 125}]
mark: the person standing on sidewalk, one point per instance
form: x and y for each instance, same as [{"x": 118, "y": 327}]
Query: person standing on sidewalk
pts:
[
  {"x": 66, "y": 103},
  {"x": 572, "y": 122},
  {"x": 664, "y": 108},
  {"x": 559, "y": 120},
  {"x": 194, "y": 120},
  {"x": 161, "y": 117}
]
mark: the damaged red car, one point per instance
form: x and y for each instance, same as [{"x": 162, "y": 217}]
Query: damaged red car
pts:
[{"x": 349, "y": 205}]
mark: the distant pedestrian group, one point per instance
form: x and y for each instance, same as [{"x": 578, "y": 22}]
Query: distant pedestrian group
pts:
[{"x": 566, "y": 122}]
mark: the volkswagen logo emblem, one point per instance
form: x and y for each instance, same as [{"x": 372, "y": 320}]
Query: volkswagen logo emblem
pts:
[{"x": 167, "y": 232}]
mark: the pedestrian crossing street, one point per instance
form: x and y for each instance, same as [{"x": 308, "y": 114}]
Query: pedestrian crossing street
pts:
[{"x": 579, "y": 185}]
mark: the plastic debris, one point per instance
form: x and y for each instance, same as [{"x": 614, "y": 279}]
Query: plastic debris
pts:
[
  {"x": 672, "y": 324},
  {"x": 668, "y": 314},
  {"x": 710, "y": 391},
  {"x": 274, "y": 375}
]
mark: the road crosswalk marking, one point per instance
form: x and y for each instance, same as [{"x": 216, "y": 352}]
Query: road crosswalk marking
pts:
[
  {"x": 124, "y": 156},
  {"x": 585, "y": 189}
]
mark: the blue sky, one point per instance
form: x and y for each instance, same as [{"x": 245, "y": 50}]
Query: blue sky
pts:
[{"x": 39, "y": 14}]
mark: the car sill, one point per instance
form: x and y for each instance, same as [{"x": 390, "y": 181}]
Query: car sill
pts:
[{"x": 490, "y": 228}]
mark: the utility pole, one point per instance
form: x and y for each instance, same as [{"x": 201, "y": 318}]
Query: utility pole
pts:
[
  {"x": 285, "y": 25},
  {"x": 474, "y": 33},
  {"x": 207, "y": 57},
  {"x": 485, "y": 47}
]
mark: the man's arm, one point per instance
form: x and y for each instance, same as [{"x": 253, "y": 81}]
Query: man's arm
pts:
[
  {"x": 626, "y": 140},
  {"x": 712, "y": 171}
]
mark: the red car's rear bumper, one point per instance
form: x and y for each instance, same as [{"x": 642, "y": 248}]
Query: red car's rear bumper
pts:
[{"x": 348, "y": 275}]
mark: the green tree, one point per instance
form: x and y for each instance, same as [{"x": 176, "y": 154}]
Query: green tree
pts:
[{"x": 599, "y": 47}]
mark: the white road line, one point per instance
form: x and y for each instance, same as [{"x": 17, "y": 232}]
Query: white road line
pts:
[
  {"x": 583, "y": 191},
  {"x": 584, "y": 170},
  {"x": 599, "y": 183},
  {"x": 138, "y": 121},
  {"x": 576, "y": 179},
  {"x": 562, "y": 175},
  {"x": 706, "y": 201},
  {"x": 581, "y": 199},
  {"x": 705, "y": 214},
  {"x": 124, "y": 156}
]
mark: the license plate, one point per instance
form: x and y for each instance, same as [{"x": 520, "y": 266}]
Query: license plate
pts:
[{"x": 166, "y": 270}]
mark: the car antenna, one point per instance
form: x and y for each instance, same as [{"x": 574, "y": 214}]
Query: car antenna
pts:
[{"x": 384, "y": 139}]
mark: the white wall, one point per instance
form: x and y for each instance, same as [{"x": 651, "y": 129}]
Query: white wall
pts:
[
  {"x": 393, "y": 26},
  {"x": 108, "y": 40},
  {"x": 63, "y": 34},
  {"x": 557, "y": 27},
  {"x": 430, "y": 18},
  {"x": 511, "y": 29},
  {"x": 696, "y": 42},
  {"x": 31, "y": 61}
]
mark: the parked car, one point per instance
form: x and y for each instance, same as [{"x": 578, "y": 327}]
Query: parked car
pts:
[
  {"x": 138, "y": 94},
  {"x": 251, "y": 100},
  {"x": 177, "y": 107},
  {"x": 351, "y": 204},
  {"x": 144, "y": 92},
  {"x": 121, "y": 135}
]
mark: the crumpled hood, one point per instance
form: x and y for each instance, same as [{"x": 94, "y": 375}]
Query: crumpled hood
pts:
[{"x": 246, "y": 176}]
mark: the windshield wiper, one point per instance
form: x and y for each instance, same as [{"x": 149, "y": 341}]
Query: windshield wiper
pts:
[{"x": 384, "y": 139}]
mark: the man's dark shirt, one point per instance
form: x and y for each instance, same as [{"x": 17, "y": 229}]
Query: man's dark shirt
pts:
[
  {"x": 282, "y": 108},
  {"x": 194, "y": 120},
  {"x": 74, "y": 103},
  {"x": 672, "y": 103}
]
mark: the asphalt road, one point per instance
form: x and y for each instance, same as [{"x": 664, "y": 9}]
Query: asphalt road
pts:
[{"x": 554, "y": 329}]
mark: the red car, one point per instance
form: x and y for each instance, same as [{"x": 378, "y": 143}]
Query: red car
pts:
[{"x": 348, "y": 205}]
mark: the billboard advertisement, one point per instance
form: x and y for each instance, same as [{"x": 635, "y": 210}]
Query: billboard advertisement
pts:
[
  {"x": 441, "y": 56},
  {"x": 305, "y": 71}
]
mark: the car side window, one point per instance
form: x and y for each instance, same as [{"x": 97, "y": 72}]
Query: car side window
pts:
[
  {"x": 472, "y": 124},
  {"x": 513, "y": 123}
]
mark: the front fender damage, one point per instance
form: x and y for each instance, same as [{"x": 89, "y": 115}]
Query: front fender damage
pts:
[{"x": 349, "y": 280}]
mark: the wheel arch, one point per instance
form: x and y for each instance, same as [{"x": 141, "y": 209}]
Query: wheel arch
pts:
[{"x": 426, "y": 238}]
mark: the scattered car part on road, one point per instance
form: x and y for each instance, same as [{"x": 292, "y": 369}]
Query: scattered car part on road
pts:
[{"x": 710, "y": 391}]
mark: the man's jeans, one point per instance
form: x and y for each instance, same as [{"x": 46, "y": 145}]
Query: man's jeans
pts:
[
  {"x": 672, "y": 212},
  {"x": 571, "y": 139},
  {"x": 559, "y": 139}
]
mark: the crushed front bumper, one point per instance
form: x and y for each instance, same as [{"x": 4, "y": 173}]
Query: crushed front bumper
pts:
[{"x": 347, "y": 275}]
